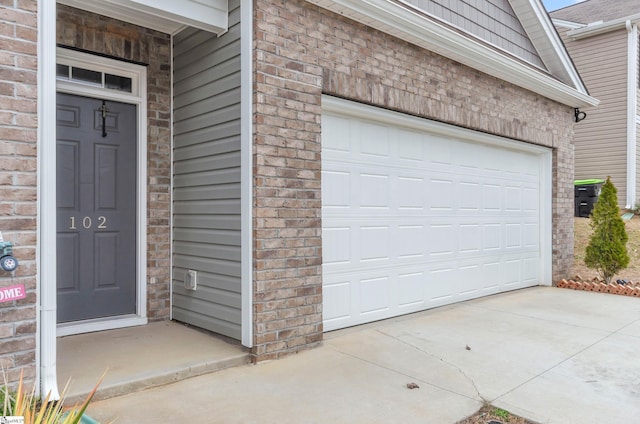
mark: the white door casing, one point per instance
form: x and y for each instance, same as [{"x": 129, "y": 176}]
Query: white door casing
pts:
[
  {"x": 137, "y": 97},
  {"x": 418, "y": 214}
]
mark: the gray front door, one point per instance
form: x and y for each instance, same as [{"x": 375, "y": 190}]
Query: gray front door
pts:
[{"x": 96, "y": 208}]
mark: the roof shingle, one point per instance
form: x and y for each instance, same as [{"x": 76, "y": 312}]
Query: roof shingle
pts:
[{"x": 597, "y": 10}]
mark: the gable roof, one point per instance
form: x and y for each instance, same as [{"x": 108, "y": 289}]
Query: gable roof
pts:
[
  {"x": 590, "y": 11},
  {"x": 560, "y": 80},
  {"x": 494, "y": 22}
]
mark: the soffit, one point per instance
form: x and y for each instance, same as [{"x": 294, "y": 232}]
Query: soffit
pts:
[{"x": 168, "y": 16}]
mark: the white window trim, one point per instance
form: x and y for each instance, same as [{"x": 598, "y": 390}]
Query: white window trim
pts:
[{"x": 137, "y": 97}]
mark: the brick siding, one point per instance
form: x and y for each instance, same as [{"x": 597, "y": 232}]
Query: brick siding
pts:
[
  {"x": 303, "y": 51},
  {"x": 18, "y": 189},
  {"x": 96, "y": 33}
]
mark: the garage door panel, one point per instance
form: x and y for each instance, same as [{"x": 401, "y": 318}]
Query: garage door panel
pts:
[
  {"x": 492, "y": 236},
  {"x": 513, "y": 198},
  {"x": 491, "y": 197},
  {"x": 491, "y": 278},
  {"x": 374, "y": 191},
  {"x": 414, "y": 220},
  {"x": 467, "y": 279},
  {"x": 469, "y": 238},
  {"x": 335, "y": 183},
  {"x": 442, "y": 240},
  {"x": 337, "y": 300},
  {"x": 531, "y": 199},
  {"x": 441, "y": 195},
  {"x": 410, "y": 241},
  {"x": 440, "y": 286},
  {"x": 513, "y": 233},
  {"x": 373, "y": 140},
  {"x": 411, "y": 289},
  {"x": 336, "y": 136},
  {"x": 410, "y": 193},
  {"x": 413, "y": 146},
  {"x": 469, "y": 196},
  {"x": 374, "y": 244},
  {"x": 374, "y": 295},
  {"x": 513, "y": 271},
  {"x": 531, "y": 235},
  {"x": 531, "y": 267},
  {"x": 337, "y": 241}
]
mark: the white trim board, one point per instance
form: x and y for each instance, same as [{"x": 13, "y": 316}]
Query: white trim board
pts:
[
  {"x": 138, "y": 97},
  {"x": 632, "y": 107},
  {"x": 246, "y": 170},
  {"x": 46, "y": 252},
  {"x": 166, "y": 16}
]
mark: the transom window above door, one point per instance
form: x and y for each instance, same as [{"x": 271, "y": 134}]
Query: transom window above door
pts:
[
  {"x": 95, "y": 78},
  {"x": 100, "y": 76}
]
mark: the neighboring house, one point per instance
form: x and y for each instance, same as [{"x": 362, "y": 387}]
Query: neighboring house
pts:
[
  {"x": 269, "y": 170},
  {"x": 602, "y": 39}
]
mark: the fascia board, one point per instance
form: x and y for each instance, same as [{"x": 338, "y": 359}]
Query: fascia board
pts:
[
  {"x": 545, "y": 38},
  {"x": 601, "y": 28},
  {"x": 392, "y": 18},
  {"x": 567, "y": 24}
]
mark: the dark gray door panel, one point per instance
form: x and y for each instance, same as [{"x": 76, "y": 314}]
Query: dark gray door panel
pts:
[{"x": 96, "y": 208}]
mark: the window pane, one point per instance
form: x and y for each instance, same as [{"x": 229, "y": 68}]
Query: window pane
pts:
[
  {"x": 87, "y": 76},
  {"x": 116, "y": 82},
  {"x": 62, "y": 71}
]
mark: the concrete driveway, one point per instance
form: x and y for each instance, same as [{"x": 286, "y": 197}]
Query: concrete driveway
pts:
[{"x": 551, "y": 355}]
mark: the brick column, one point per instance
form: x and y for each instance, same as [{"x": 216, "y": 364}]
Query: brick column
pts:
[
  {"x": 287, "y": 206},
  {"x": 563, "y": 211},
  {"x": 18, "y": 187}
]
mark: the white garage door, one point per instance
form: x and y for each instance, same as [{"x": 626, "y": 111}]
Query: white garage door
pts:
[{"x": 418, "y": 214}]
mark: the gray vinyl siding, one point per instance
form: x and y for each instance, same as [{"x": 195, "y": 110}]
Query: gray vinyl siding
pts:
[
  {"x": 601, "y": 139},
  {"x": 206, "y": 177},
  {"x": 492, "y": 21}
]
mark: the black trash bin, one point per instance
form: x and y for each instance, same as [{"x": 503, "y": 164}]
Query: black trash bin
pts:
[{"x": 586, "y": 195}]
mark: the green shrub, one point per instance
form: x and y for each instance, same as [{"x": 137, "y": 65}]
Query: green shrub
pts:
[
  {"x": 607, "y": 248},
  {"x": 24, "y": 403}
]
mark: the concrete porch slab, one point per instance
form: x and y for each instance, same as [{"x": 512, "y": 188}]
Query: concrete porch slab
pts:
[{"x": 137, "y": 358}]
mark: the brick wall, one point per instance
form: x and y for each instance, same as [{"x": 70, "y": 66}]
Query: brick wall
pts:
[
  {"x": 303, "y": 51},
  {"x": 95, "y": 33},
  {"x": 18, "y": 192}
]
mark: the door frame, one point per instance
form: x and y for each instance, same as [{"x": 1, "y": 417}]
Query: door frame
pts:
[{"x": 137, "y": 97}]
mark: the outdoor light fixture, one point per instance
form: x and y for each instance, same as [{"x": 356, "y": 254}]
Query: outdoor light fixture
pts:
[{"x": 579, "y": 115}]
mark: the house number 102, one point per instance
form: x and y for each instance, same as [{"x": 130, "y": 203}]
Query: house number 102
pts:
[{"x": 87, "y": 223}]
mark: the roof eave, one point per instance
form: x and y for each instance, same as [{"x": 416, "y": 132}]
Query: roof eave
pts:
[
  {"x": 545, "y": 38},
  {"x": 601, "y": 28}
]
